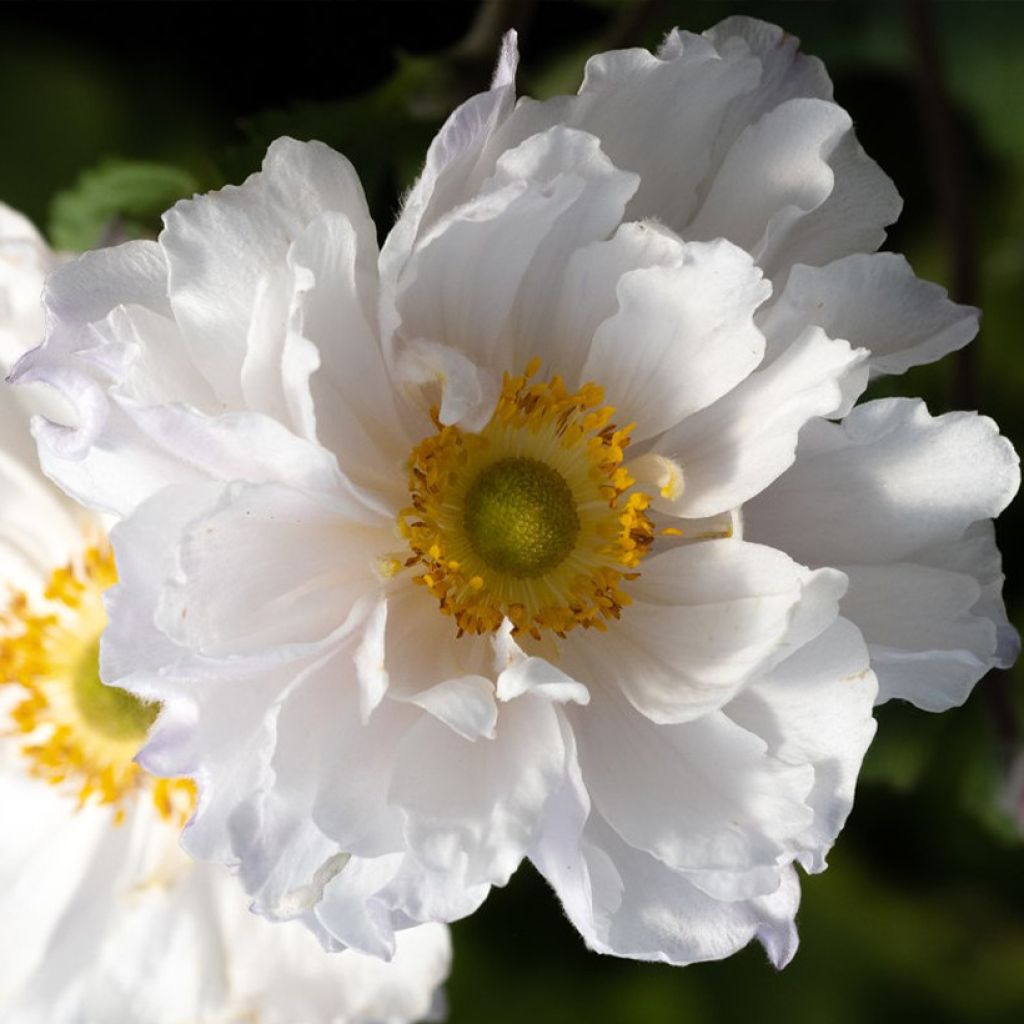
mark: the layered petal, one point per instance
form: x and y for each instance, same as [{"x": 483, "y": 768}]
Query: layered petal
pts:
[
  {"x": 815, "y": 708},
  {"x": 682, "y": 336},
  {"x": 166, "y": 377},
  {"x": 889, "y": 480},
  {"x": 730, "y": 451},
  {"x": 873, "y": 302},
  {"x": 218, "y": 248},
  {"x": 479, "y": 280},
  {"x": 705, "y": 797},
  {"x": 704, "y": 618},
  {"x": 478, "y": 810},
  {"x": 797, "y": 187},
  {"x": 628, "y": 903},
  {"x": 269, "y": 566},
  {"x": 450, "y": 162},
  {"x": 900, "y": 501}
]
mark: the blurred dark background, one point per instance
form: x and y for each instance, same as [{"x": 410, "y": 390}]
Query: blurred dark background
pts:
[{"x": 110, "y": 112}]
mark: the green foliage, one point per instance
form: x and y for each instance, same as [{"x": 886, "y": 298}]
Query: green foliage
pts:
[{"x": 119, "y": 199}]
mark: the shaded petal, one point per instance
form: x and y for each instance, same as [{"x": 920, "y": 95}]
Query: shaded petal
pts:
[
  {"x": 873, "y": 302},
  {"x": 450, "y": 161},
  {"x": 682, "y": 336},
  {"x": 369, "y": 899},
  {"x": 459, "y": 668},
  {"x": 465, "y": 394},
  {"x": 976, "y": 554},
  {"x": 480, "y": 279},
  {"x": 927, "y": 643},
  {"x": 141, "y": 421},
  {"x": 796, "y": 186},
  {"x": 625, "y": 902},
  {"x": 477, "y": 810},
  {"x": 345, "y": 763},
  {"x": 269, "y": 566},
  {"x": 888, "y": 481},
  {"x": 134, "y": 653},
  {"x": 705, "y": 797},
  {"x": 733, "y": 449},
  {"x": 629, "y": 97},
  {"x": 219, "y": 246},
  {"x": 356, "y": 415},
  {"x": 704, "y": 618},
  {"x": 588, "y": 292},
  {"x": 731, "y": 77},
  {"x": 663, "y": 916},
  {"x": 900, "y": 500},
  {"x": 816, "y": 708}
]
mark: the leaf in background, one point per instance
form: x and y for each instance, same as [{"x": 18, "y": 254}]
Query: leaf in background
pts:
[{"x": 126, "y": 195}]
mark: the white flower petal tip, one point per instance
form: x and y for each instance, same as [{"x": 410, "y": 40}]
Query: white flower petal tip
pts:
[
  {"x": 531, "y": 534},
  {"x": 508, "y": 61}
]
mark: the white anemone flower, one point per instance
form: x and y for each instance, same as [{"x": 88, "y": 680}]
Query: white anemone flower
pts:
[
  {"x": 104, "y": 917},
  {"x": 438, "y": 558}
]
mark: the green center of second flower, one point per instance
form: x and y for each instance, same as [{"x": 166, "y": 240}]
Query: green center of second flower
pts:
[
  {"x": 112, "y": 712},
  {"x": 520, "y": 517}
]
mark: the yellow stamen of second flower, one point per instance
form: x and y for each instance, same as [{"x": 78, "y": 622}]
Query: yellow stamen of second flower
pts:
[
  {"x": 75, "y": 730},
  {"x": 533, "y": 519}
]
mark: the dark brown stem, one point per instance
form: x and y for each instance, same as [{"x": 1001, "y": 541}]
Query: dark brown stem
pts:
[
  {"x": 954, "y": 193},
  {"x": 945, "y": 153}
]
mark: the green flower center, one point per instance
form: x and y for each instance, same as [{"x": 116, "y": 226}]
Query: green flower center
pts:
[
  {"x": 520, "y": 517},
  {"x": 112, "y": 712}
]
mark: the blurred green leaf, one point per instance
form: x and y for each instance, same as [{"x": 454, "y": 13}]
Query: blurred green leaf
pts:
[{"x": 127, "y": 195}]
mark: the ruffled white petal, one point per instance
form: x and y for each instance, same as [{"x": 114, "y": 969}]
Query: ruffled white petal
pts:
[
  {"x": 106, "y": 923},
  {"x": 816, "y": 708},
  {"x": 873, "y": 302},
  {"x": 747, "y": 90},
  {"x": 628, "y": 903},
  {"x": 682, "y": 336},
  {"x": 269, "y": 565},
  {"x": 629, "y": 97},
  {"x": 899, "y": 500},
  {"x": 219, "y": 246},
  {"x": 730, "y": 451},
  {"x": 477, "y": 810},
  {"x": 588, "y": 291},
  {"x": 889, "y": 480},
  {"x": 480, "y": 279},
  {"x": 937, "y": 648},
  {"x": 704, "y": 797},
  {"x": 165, "y": 376},
  {"x": 351, "y": 401},
  {"x": 704, "y": 618},
  {"x": 450, "y": 162},
  {"x": 796, "y": 187}
]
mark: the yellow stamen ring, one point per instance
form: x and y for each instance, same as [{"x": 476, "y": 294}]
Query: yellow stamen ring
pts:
[
  {"x": 76, "y": 730},
  {"x": 530, "y": 519}
]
